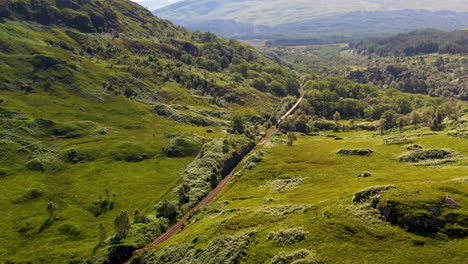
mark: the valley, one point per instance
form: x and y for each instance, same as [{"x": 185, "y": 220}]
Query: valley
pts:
[{"x": 125, "y": 138}]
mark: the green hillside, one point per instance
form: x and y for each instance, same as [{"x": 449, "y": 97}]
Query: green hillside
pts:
[{"x": 102, "y": 108}]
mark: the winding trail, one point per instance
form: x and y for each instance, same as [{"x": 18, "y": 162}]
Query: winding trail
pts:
[{"x": 222, "y": 184}]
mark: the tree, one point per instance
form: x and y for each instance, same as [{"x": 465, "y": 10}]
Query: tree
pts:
[
  {"x": 102, "y": 234},
  {"x": 436, "y": 122},
  {"x": 389, "y": 119},
  {"x": 122, "y": 223},
  {"x": 291, "y": 138},
  {"x": 167, "y": 209},
  {"x": 51, "y": 208},
  {"x": 238, "y": 125},
  {"x": 337, "y": 116}
]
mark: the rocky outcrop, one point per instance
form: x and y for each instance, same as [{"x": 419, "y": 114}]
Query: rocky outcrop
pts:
[{"x": 428, "y": 219}]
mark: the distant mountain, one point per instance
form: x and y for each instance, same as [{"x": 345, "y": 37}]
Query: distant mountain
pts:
[
  {"x": 268, "y": 19},
  {"x": 276, "y": 12},
  {"x": 156, "y": 4}
]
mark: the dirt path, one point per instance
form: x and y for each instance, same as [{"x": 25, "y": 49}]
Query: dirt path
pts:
[{"x": 212, "y": 195}]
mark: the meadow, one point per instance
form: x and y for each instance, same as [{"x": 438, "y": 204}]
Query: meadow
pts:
[{"x": 304, "y": 193}]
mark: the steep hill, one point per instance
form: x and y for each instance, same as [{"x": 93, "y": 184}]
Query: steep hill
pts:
[{"x": 102, "y": 108}]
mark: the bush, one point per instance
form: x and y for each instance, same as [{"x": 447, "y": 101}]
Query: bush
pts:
[
  {"x": 43, "y": 163},
  {"x": 283, "y": 209},
  {"x": 293, "y": 257},
  {"x": 427, "y": 154},
  {"x": 30, "y": 194},
  {"x": 4, "y": 172},
  {"x": 367, "y": 193},
  {"x": 75, "y": 156},
  {"x": 324, "y": 125},
  {"x": 171, "y": 113},
  {"x": 70, "y": 230},
  {"x": 224, "y": 249},
  {"x": 181, "y": 147},
  {"x": 369, "y": 126},
  {"x": 288, "y": 236},
  {"x": 72, "y": 129},
  {"x": 283, "y": 184},
  {"x": 355, "y": 152},
  {"x": 130, "y": 152},
  {"x": 414, "y": 147}
]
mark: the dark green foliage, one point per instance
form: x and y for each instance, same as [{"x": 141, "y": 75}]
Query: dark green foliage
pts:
[
  {"x": 426, "y": 154},
  {"x": 389, "y": 119},
  {"x": 355, "y": 152},
  {"x": 368, "y": 193},
  {"x": 130, "y": 152},
  {"x": 4, "y": 172},
  {"x": 122, "y": 223},
  {"x": 101, "y": 206},
  {"x": 30, "y": 194},
  {"x": 69, "y": 230},
  {"x": 238, "y": 124},
  {"x": 173, "y": 114},
  {"x": 181, "y": 147},
  {"x": 76, "y": 155},
  {"x": 414, "y": 147},
  {"x": 418, "y": 42},
  {"x": 167, "y": 209}
]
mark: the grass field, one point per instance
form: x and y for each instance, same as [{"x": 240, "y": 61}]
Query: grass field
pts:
[{"x": 338, "y": 230}]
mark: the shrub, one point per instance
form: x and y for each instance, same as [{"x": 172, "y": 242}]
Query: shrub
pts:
[
  {"x": 414, "y": 147},
  {"x": 288, "y": 236},
  {"x": 283, "y": 209},
  {"x": 283, "y": 184},
  {"x": 4, "y": 172},
  {"x": 167, "y": 209},
  {"x": 427, "y": 154},
  {"x": 369, "y": 126},
  {"x": 181, "y": 147},
  {"x": 75, "y": 156},
  {"x": 367, "y": 193},
  {"x": 324, "y": 125},
  {"x": 70, "y": 230},
  {"x": 355, "y": 152},
  {"x": 224, "y": 249},
  {"x": 30, "y": 194},
  {"x": 130, "y": 152},
  {"x": 292, "y": 257},
  {"x": 171, "y": 113},
  {"x": 44, "y": 162}
]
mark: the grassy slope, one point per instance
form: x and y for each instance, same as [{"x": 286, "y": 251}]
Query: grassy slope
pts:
[
  {"x": 74, "y": 187},
  {"x": 339, "y": 231}
]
